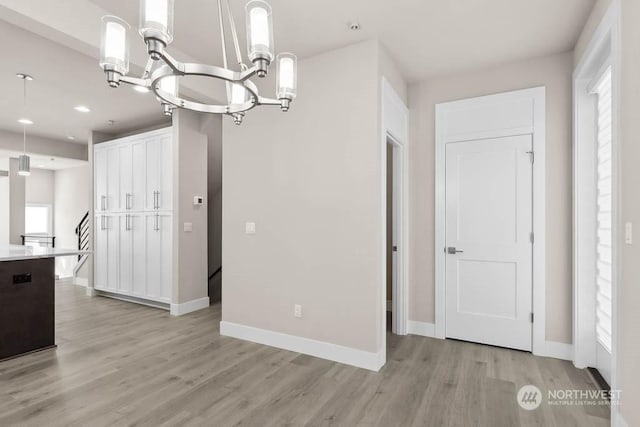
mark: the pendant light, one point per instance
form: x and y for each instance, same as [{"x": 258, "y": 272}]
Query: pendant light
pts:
[{"x": 24, "y": 161}]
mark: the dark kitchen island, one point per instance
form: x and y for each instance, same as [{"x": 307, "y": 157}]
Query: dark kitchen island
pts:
[{"x": 27, "y": 299}]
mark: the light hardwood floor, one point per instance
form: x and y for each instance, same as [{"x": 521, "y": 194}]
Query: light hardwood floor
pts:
[{"x": 124, "y": 364}]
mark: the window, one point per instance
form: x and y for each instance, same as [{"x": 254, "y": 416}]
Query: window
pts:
[
  {"x": 38, "y": 219},
  {"x": 603, "y": 89}
]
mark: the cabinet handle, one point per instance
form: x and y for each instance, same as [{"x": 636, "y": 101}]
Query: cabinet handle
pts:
[
  {"x": 156, "y": 225},
  {"x": 102, "y": 204},
  {"x": 127, "y": 201},
  {"x": 126, "y": 223},
  {"x": 106, "y": 203}
]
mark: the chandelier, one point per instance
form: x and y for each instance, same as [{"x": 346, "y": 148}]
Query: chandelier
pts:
[{"x": 162, "y": 71}]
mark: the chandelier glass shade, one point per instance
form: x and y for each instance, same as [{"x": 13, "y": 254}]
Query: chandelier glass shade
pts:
[{"x": 162, "y": 73}]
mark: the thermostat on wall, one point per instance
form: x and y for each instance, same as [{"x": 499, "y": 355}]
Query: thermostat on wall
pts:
[{"x": 198, "y": 200}]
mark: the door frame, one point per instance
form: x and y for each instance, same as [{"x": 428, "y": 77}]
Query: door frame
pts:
[
  {"x": 603, "y": 46},
  {"x": 394, "y": 129},
  {"x": 536, "y": 128}
]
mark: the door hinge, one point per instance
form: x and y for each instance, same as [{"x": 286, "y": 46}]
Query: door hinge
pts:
[
  {"x": 531, "y": 237},
  {"x": 531, "y": 317},
  {"x": 532, "y": 156}
]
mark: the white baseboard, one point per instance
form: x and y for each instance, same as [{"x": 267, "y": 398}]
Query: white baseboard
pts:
[
  {"x": 324, "y": 350},
  {"x": 421, "y": 328},
  {"x": 91, "y": 292},
  {"x": 557, "y": 350},
  {"x": 189, "y": 306},
  {"x": 81, "y": 281}
]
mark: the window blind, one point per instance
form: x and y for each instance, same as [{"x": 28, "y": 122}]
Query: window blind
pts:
[{"x": 604, "y": 209}]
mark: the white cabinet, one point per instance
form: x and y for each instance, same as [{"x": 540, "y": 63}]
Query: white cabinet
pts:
[
  {"x": 132, "y": 255},
  {"x": 106, "y": 244},
  {"x": 159, "y": 272},
  {"x": 133, "y": 228},
  {"x": 159, "y": 173},
  {"x": 107, "y": 183}
]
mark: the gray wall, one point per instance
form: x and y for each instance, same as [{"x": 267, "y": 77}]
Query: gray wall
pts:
[
  {"x": 311, "y": 181},
  {"x": 17, "y": 199},
  {"x": 629, "y": 347},
  {"x": 4, "y": 202},
  {"x": 555, "y": 73},
  {"x": 12, "y": 141},
  {"x": 190, "y": 179}
]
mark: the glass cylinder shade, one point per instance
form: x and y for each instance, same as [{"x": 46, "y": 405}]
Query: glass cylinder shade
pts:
[
  {"x": 259, "y": 30},
  {"x": 239, "y": 95},
  {"x": 24, "y": 165},
  {"x": 287, "y": 81},
  {"x": 114, "y": 49},
  {"x": 156, "y": 20},
  {"x": 169, "y": 85}
]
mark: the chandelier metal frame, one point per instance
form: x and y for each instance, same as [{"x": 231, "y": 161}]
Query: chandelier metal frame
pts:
[{"x": 171, "y": 68}]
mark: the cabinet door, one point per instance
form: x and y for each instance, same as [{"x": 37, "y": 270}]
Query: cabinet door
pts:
[
  {"x": 138, "y": 254},
  {"x": 138, "y": 173},
  {"x": 106, "y": 252},
  {"x": 159, "y": 261},
  {"x": 153, "y": 156},
  {"x": 101, "y": 253},
  {"x": 113, "y": 179},
  {"x": 125, "y": 177},
  {"x": 125, "y": 271},
  {"x": 165, "y": 178},
  {"x": 100, "y": 178},
  {"x": 111, "y": 224},
  {"x": 159, "y": 172}
]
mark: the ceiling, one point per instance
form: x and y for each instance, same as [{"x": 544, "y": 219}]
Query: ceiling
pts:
[
  {"x": 426, "y": 38},
  {"x": 55, "y": 91}
]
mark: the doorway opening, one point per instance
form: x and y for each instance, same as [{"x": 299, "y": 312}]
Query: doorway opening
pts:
[{"x": 392, "y": 236}]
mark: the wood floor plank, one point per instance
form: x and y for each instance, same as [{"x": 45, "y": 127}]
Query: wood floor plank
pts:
[{"x": 122, "y": 364}]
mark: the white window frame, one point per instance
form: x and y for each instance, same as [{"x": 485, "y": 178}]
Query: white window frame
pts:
[{"x": 604, "y": 45}]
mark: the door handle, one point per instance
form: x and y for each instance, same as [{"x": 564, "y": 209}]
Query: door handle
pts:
[
  {"x": 451, "y": 250},
  {"x": 394, "y": 249},
  {"x": 156, "y": 226}
]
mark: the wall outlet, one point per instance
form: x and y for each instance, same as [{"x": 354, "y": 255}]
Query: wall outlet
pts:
[
  {"x": 297, "y": 310},
  {"x": 188, "y": 227},
  {"x": 250, "y": 228},
  {"x": 628, "y": 233},
  {"x": 198, "y": 200}
]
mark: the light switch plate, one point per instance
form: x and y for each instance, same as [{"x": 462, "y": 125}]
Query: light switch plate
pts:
[
  {"x": 628, "y": 233},
  {"x": 188, "y": 227},
  {"x": 250, "y": 228},
  {"x": 297, "y": 310}
]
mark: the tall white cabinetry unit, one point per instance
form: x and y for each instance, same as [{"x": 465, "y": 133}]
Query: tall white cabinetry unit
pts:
[{"x": 133, "y": 224}]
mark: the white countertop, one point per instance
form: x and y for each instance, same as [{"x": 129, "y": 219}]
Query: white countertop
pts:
[{"x": 17, "y": 252}]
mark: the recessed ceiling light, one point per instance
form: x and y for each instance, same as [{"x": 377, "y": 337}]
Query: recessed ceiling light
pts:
[
  {"x": 25, "y": 121},
  {"x": 40, "y": 166},
  {"x": 71, "y": 137},
  {"x": 82, "y": 109},
  {"x": 141, "y": 89}
]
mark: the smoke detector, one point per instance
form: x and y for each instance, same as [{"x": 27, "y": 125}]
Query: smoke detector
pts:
[{"x": 354, "y": 26}]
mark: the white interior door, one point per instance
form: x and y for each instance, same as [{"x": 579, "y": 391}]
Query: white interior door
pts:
[{"x": 488, "y": 236}]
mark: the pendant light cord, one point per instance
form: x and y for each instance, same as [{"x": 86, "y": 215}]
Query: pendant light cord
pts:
[{"x": 24, "y": 125}]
